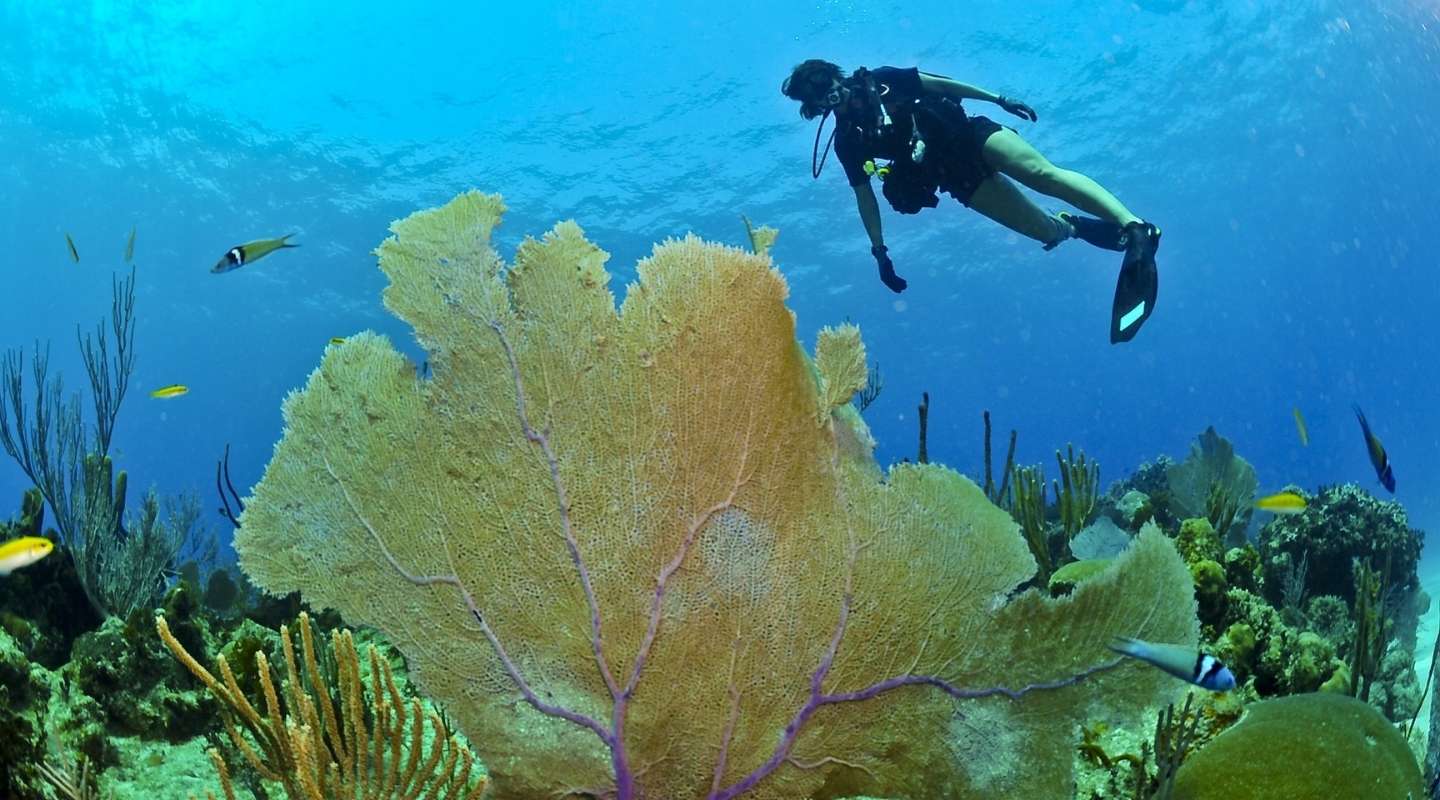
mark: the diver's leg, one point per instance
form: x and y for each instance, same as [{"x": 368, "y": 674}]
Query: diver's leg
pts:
[
  {"x": 999, "y": 199},
  {"x": 1007, "y": 152}
]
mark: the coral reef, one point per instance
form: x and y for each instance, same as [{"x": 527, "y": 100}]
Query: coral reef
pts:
[
  {"x": 1312, "y": 745},
  {"x": 124, "y": 668},
  {"x": 43, "y": 606},
  {"x": 1340, "y": 524},
  {"x": 648, "y": 551},
  {"x": 23, "y": 692},
  {"x": 590, "y": 518}
]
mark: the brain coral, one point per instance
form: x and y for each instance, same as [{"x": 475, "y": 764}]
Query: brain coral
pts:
[{"x": 646, "y": 551}]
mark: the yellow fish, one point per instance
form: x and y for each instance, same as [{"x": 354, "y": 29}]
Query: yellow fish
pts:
[
  {"x": 70, "y": 243},
  {"x": 1282, "y": 503},
  {"x": 130, "y": 246},
  {"x": 337, "y": 340},
  {"x": 173, "y": 390},
  {"x": 23, "y": 552},
  {"x": 1300, "y": 426}
]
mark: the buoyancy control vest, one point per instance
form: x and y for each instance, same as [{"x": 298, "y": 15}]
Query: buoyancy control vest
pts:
[{"x": 938, "y": 126}]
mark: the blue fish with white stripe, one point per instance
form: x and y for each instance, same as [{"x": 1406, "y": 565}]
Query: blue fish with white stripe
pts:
[{"x": 1186, "y": 663}]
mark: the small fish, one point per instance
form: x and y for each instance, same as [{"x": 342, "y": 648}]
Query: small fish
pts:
[
  {"x": 1300, "y": 427},
  {"x": 74, "y": 254},
  {"x": 173, "y": 390},
  {"x": 23, "y": 552},
  {"x": 1378, "y": 459},
  {"x": 1185, "y": 663},
  {"x": 130, "y": 246},
  {"x": 1282, "y": 503},
  {"x": 240, "y": 255},
  {"x": 337, "y": 340}
]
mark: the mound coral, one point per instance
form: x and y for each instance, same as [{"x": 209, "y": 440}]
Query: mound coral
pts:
[
  {"x": 1310, "y": 745},
  {"x": 648, "y": 551}
]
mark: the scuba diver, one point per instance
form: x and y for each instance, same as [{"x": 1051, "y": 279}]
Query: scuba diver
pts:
[{"x": 908, "y": 128}]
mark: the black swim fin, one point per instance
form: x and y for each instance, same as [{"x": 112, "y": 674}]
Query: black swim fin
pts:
[
  {"x": 1138, "y": 284},
  {"x": 1098, "y": 232}
]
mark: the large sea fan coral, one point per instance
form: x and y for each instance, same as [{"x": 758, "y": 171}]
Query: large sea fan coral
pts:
[{"x": 646, "y": 551}]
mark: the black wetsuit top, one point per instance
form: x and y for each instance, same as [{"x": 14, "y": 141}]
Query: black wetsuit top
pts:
[{"x": 852, "y": 148}]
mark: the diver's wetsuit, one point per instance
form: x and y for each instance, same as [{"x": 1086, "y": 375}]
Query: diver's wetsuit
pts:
[{"x": 954, "y": 162}]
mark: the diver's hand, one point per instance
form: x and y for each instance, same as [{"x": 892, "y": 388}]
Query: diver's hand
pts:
[
  {"x": 1017, "y": 108},
  {"x": 893, "y": 282}
]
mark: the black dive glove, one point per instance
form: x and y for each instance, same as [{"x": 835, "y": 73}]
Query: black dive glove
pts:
[
  {"x": 1017, "y": 108},
  {"x": 893, "y": 282}
]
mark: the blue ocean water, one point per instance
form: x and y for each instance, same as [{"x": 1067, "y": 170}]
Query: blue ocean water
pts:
[{"x": 1288, "y": 150}]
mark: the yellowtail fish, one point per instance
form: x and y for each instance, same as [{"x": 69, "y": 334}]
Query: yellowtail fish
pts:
[
  {"x": 1282, "y": 503},
  {"x": 130, "y": 246},
  {"x": 1300, "y": 427},
  {"x": 173, "y": 390},
  {"x": 23, "y": 552},
  {"x": 1185, "y": 663},
  {"x": 74, "y": 254},
  {"x": 1378, "y": 459},
  {"x": 242, "y": 254},
  {"x": 337, "y": 340}
]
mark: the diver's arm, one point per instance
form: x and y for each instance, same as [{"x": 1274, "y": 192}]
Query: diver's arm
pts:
[
  {"x": 869, "y": 213},
  {"x": 936, "y": 84}
]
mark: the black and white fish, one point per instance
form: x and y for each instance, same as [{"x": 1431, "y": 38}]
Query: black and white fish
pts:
[
  {"x": 240, "y": 255},
  {"x": 1185, "y": 663}
]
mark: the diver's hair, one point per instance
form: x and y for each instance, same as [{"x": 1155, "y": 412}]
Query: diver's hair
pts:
[{"x": 809, "y": 82}]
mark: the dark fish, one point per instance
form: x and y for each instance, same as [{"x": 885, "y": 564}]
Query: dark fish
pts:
[
  {"x": 240, "y": 255},
  {"x": 1378, "y": 459},
  {"x": 70, "y": 243}
]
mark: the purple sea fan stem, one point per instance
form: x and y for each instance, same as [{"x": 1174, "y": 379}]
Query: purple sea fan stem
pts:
[
  {"x": 543, "y": 440},
  {"x": 615, "y": 738}
]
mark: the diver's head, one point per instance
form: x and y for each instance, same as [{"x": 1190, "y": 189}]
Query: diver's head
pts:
[{"x": 818, "y": 86}]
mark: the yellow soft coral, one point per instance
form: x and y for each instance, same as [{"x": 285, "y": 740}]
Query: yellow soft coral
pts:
[
  {"x": 840, "y": 359},
  {"x": 618, "y": 548},
  {"x": 761, "y": 238}
]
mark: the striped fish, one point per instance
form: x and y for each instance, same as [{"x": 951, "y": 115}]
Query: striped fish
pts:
[{"x": 1186, "y": 663}]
